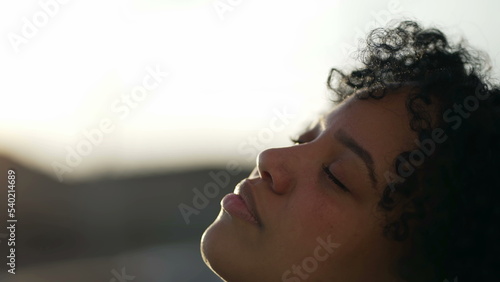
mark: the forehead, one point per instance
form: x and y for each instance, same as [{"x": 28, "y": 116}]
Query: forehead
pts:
[{"x": 390, "y": 111}]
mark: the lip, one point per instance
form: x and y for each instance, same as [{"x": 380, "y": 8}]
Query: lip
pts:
[{"x": 242, "y": 203}]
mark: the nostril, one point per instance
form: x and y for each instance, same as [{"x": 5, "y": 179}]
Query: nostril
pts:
[
  {"x": 274, "y": 169},
  {"x": 266, "y": 176}
]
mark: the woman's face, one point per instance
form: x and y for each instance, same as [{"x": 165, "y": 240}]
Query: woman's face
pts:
[{"x": 315, "y": 204}]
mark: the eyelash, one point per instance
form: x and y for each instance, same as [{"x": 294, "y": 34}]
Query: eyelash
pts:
[
  {"x": 334, "y": 179},
  {"x": 325, "y": 169}
]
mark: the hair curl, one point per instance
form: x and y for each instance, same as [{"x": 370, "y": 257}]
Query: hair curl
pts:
[{"x": 448, "y": 207}]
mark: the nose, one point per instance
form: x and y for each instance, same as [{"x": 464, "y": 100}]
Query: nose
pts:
[{"x": 276, "y": 166}]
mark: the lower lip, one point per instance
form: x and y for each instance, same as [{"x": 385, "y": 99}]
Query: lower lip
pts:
[{"x": 235, "y": 205}]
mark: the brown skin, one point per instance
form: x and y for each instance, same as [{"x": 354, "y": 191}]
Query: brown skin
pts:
[{"x": 298, "y": 203}]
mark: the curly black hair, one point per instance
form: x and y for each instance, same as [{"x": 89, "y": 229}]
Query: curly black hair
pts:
[{"x": 445, "y": 193}]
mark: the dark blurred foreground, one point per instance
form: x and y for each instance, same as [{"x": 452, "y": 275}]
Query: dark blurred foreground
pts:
[{"x": 108, "y": 230}]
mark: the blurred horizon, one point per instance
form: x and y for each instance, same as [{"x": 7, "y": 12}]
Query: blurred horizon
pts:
[{"x": 84, "y": 231}]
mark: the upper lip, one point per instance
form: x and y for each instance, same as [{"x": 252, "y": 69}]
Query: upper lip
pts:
[{"x": 244, "y": 190}]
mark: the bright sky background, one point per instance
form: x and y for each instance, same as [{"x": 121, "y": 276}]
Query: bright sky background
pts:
[{"x": 229, "y": 69}]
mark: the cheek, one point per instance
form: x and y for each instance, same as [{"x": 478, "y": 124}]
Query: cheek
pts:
[
  {"x": 315, "y": 221},
  {"x": 315, "y": 214},
  {"x": 319, "y": 214}
]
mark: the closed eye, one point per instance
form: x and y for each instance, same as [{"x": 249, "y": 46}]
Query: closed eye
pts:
[
  {"x": 334, "y": 179},
  {"x": 324, "y": 167}
]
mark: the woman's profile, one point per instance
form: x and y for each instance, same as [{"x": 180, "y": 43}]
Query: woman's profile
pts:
[{"x": 398, "y": 182}]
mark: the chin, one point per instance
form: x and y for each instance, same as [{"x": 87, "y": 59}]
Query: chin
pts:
[
  {"x": 215, "y": 249},
  {"x": 226, "y": 254}
]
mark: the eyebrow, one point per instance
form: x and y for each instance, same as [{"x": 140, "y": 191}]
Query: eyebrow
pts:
[{"x": 354, "y": 146}]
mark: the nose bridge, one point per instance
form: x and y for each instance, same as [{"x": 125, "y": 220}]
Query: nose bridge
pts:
[{"x": 279, "y": 166}]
